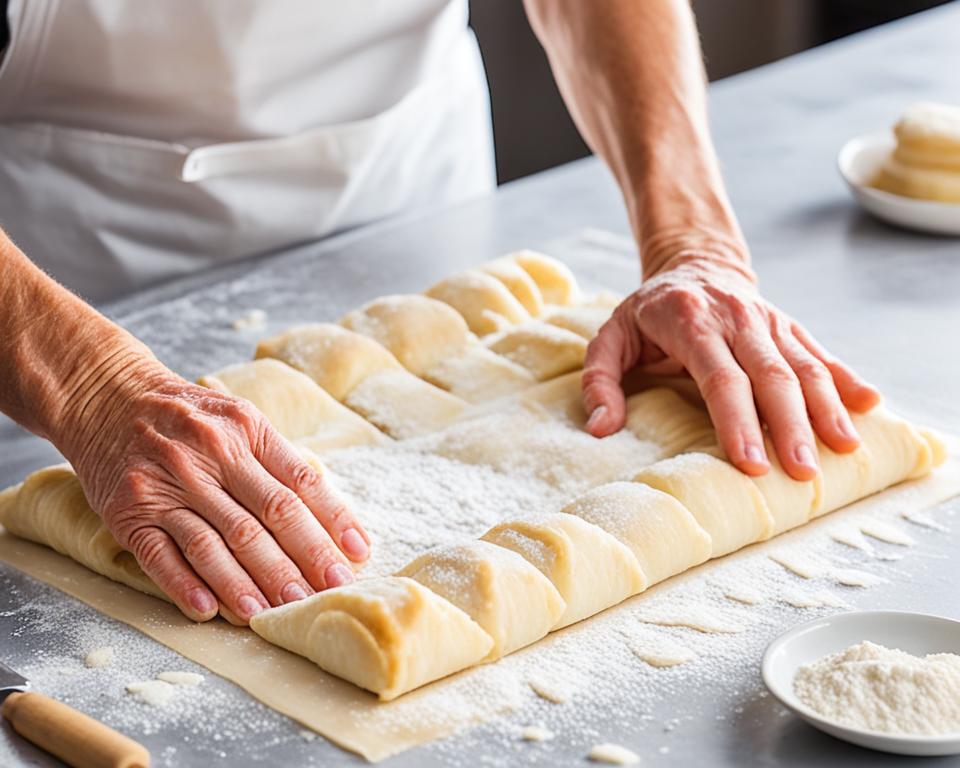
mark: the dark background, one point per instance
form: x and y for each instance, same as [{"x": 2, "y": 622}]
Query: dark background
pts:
[{"x": 531, "y": 126}]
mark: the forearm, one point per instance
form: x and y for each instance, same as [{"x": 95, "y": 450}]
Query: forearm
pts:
[
  {"x": 632, "y": 76},
  {"x": 56, "y": 351}
]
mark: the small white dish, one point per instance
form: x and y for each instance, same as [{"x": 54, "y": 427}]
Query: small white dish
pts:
[
  {"x": 916, "y": 633},
  {"x": 859, "y": 163}
]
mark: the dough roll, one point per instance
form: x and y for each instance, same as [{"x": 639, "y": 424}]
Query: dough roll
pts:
[
  {"x": 431, "y": 340},
  {"x": 49, "y": 508},
  {"x": 518, "y": 281},
  {"x": 484, "y": 302},
  {"x": 388, "y": 635},
  {"x": 590, "y": 568},
  {"x": 507, "y": 596},
  {"x": 556, "y": 282},
  {"x": 722, "y": 499},
  {"x": 662, "y": 534},
  {"x": 545, "y": 350},
  {"x": 363, "y": 375},
  {"x": 295, "y": 404}
]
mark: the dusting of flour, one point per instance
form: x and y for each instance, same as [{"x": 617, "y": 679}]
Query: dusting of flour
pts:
[{"x": 875, "y": 688}]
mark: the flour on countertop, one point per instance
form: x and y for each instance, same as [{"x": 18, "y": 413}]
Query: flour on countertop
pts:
[
  {"x": 875, "y": 688},
  {"x": 702, "y": 618},
  {"x": 254, "y": 320},
  {"x": 536, "y": 733},
  {"x": 886, "y": 532},
  {"x": 613, "y": 754},
  {"x": 181, "y": 678},
  {"x": 156, "y": 693},
  {"x": 921, "y": 518}
]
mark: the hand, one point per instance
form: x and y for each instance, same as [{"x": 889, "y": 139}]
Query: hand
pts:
[
  {"x": 214, "y": 504},
  {"x": 751, "y": 362}
]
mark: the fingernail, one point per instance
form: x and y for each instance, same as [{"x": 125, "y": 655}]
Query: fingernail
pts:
[
  {"x": 352, "y": 543},
  {"x": 292, "y": 592},
  {"x": 754, "y": 454},
  {"x": 598, "y": 413},
  {"x": 804, "y": 456},
  {"x": 202, "y": 601},
  {"x": 846, "y": 428},
  {"x": 337, "y": 575},
  {"x": 248, "y": 606}
]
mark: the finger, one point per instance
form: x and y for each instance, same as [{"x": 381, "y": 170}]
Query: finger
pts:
[
  {"x": 855, "y": 393},
  {"x": 827, "y": 413},
  {"x": 206, "y": 551},
  {"x": 729, "y": 398},
  {"x": 291, "y": 523},
  {"x": 608, "y": 355},
  {"x": 254, "y": 548},
  {"x": 779, "y": 398},
  {"x": 162, "y": 561},
  {"x": 306, "y": 480}
]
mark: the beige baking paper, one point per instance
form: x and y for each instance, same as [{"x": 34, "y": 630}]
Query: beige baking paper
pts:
[{"x": 348, "y": 716}]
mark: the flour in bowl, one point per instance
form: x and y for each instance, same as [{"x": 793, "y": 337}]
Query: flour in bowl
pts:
[{"x": 875, "y": 688}]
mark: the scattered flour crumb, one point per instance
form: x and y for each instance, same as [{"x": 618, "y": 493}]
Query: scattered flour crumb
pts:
[
  {"x": 803, "y": 565},
  {"x": 888, "y": 533},
  {"x": 744, "y": 594},
  {"x": 156, "y": 693},
  {"x": 552, "y": 689},
  {"x": 819, "y": 599},
  {"x": 308, "y": 735},
  {"x": 254, "y": 320},
  {"x": 701, "y": 618},
  {"x": 851, "y": 536},
  {"x": 924, "y": 520},
  {"x": 180, "y": 678},
  {"x": 660, "y": 651},
  {"x": 881, "y": 689},
  {"x": 613, "y": 754},
  {"x": 100, "y": 657},
  {"x": 536, "y": 733},
  {"x": 851, "y": 577}
]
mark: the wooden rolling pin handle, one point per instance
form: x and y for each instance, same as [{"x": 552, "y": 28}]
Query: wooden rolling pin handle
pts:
[{"x": 75, "y": 738}]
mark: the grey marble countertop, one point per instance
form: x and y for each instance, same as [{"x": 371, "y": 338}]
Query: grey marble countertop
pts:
[{"x": 885, "y": 299}]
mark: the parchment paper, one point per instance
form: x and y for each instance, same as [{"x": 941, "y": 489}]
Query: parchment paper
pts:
[{"x": 348, "y": 716}]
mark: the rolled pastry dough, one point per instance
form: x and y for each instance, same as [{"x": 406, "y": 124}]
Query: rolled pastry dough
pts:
[
  {"x": 722, "y": 499},
  {"x": 662, "y": 534},
  {"x": 388, "y": 635},
  {"x": 295, "y": 404},
  {"x": 507, "y": 596},
  {"x": 364, "y": 376},
  {"x": 485, "y": 303},
  {"x": 590, "y": 568},
  {"x": 583, "y": 321},
  {"x": 662, "y": 416},
  {"x": 432, "y": 341},
  {"x": 518, "y": 281},
  {"x": 554, "y": 279},
  {"x": 545, "y": 350},
  {"x": 49, "y": 508}
]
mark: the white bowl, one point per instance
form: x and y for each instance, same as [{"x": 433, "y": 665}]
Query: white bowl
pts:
[
  {"x": 859, "y": 162},
  {"x": 915, "y": 633}
]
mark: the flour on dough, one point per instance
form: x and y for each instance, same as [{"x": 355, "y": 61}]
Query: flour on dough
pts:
[
  {"x": 888, "y": 533},
  {"x": 536, "y": 733},
  {"x": 613, "y": 754},
  {"x": 99, "y": 658}
]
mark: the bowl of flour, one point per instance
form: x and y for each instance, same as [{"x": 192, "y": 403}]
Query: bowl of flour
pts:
[{"x": 887, "y": 680}]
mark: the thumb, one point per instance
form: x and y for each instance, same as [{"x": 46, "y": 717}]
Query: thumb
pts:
[{"x": 615, "y": 349}]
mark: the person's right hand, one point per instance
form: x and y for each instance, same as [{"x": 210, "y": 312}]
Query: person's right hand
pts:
[{"x": 216, "y": 506}]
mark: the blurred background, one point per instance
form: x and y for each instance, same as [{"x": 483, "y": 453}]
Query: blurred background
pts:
[{"x": 531, "y": 126}]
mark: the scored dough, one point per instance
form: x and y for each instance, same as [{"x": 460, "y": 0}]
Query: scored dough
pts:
[
  {"x": 507, "y": 596},
  {"x": 388, "y": 635},
  {"x": 590, "y": 568},
  {"x": 545, "y": 350},
  {"x": 720, "y": 497},
  {"x": 432, "y": 341},
  {"x": 294, "y": 404},
  {"x": 362, "y": 374},
  {"x": 485, "y": 303},
  {"x": 664, "y": 417},
  {"x": 662, "y": 534}
]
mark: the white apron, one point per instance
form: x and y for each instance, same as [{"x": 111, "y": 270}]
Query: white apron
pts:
[{"x": 143, "y": 139}]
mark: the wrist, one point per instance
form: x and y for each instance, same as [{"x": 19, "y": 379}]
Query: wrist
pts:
[{"x": 713, "y": 248}]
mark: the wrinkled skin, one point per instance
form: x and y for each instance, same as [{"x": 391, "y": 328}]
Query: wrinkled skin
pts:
[
  {"x": 752, "y": 363},
  {"x": 218, "y": 508}
]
